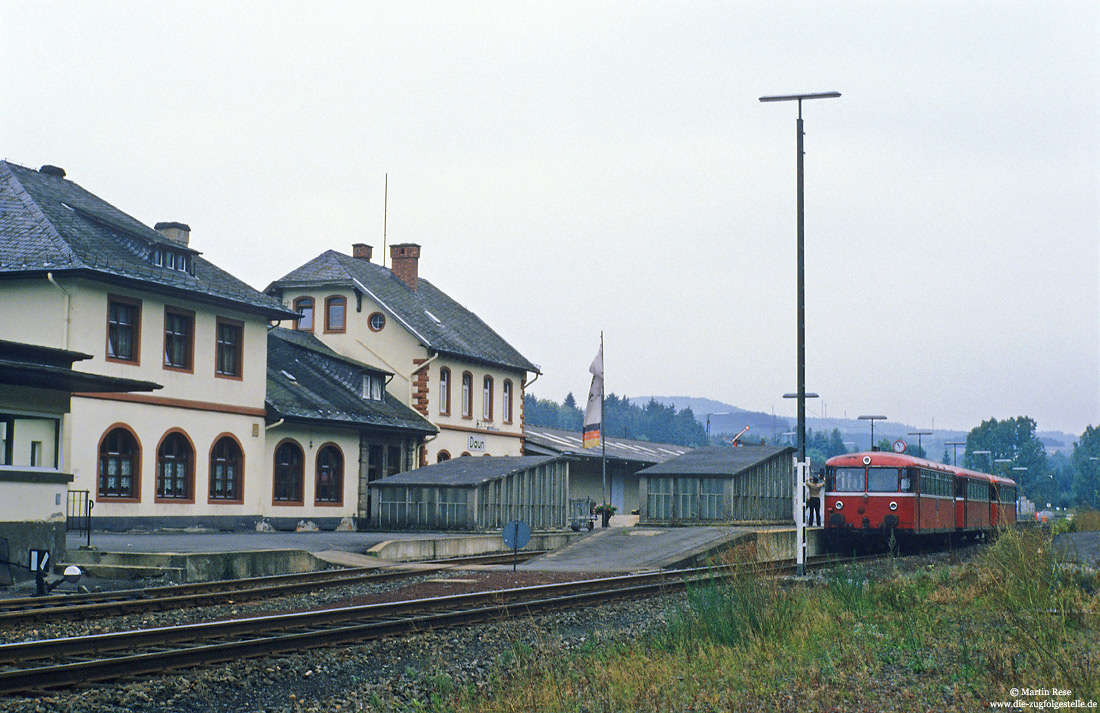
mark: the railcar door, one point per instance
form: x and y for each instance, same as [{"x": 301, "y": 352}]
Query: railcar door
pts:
[{"x": 960, "y": 503}]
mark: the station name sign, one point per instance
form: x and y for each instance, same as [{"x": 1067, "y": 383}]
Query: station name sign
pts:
[{"x": 475, "y": 444}]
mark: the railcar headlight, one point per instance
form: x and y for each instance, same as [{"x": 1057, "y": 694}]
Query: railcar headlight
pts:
[
  {"x": 893, "y": 505},
  {"x": 839, "y": 505}
]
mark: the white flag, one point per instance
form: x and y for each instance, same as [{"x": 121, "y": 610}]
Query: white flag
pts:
[{"x": 593, "y": 412}]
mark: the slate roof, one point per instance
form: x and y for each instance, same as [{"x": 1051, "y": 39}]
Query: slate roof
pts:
[
  {"x": 440, "y": 323},
  {"x": 50, "y": 224},
  {"x": 718, "y": 460},
  {"x": 465, "y": 471},
  {"x": 308, "y": 382},
  {"x": 538, "y": 439}
]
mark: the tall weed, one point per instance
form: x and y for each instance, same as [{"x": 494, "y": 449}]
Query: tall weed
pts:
[{"x": 732, "y": 610}]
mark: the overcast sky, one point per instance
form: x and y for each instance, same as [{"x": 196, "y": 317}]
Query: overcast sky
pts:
[{"x": 572, "y": 167}]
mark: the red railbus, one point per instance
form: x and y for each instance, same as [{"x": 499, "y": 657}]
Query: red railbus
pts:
[{"x": 875, "y": 494}]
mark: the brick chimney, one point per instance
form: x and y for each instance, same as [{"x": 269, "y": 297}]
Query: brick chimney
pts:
[
  {"x": 361, "y": 251},
  {"x": 180, "y": 232},
  {"x": 403, "y": 260}
]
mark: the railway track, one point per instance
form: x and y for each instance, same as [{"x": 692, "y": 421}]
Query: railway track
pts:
[
  {"x": 64, "y": 662},
  {"x": 198, "y": 594},
  {"x": 52, "y": 663}
]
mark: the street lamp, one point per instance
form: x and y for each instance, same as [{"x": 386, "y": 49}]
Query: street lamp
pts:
[
  {"x": 955, "y": 450},
  {"x": 987, "y": 453},
  {"x": 801, "y": 219},
  {"x": 872, "y": 419},
  {"x": 918, "y": 434}
]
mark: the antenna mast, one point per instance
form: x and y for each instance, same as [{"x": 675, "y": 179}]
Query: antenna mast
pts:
[{"x": 385, "y": 215}]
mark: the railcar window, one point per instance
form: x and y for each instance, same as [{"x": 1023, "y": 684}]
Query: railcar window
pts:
[
  {"x": 882, "y": 480},
  {"x": 848, "y": 480}
]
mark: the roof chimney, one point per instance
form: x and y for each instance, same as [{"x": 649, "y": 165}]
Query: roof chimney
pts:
[
  {"x": 52, "y": 171},
  {"x": 403, "y": 260},
  {"x": 361, "y": 251},
  {"x": 180, "y": 232}
]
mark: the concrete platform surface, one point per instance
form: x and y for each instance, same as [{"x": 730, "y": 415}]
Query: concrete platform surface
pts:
[
  {"x": 184, "y": 542},
  {"x": 637, "y": 549}
]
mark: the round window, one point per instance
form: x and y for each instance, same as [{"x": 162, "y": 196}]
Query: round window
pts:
[{"x": 376, "y": 321}]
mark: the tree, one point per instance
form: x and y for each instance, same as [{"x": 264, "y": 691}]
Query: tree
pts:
[
  {"x": 1013, "y": 441},
  {"x": 1086, "y": 468}
]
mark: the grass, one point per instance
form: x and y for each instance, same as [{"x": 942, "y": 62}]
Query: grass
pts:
[{"x": 943, "y": 638}]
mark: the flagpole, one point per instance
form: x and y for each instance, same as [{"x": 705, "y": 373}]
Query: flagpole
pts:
[{"x": 603, "y": 445}]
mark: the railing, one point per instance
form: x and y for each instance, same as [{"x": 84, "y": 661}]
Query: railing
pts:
[{"x": 78, "y": 514}]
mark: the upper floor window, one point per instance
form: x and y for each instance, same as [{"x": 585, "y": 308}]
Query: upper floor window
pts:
[
  {"x": 467, "y": 394},
  {"x": 330, "y": 475},
  {"x": 225, "y": 470},
  {"x": 175, "y": 465},
  {"x": 487, "y": 398},
  {"x": 374, "y": 387},
  {"x": 444, "y": 391},
  {"x": 304, "y": 307},
  {"x": 376, "y": 322},
  {"x": 506, "y": 406},
  {"x": 123, "y": 328},
  {"x": 119, "y": 461},
  {"x": 287, "y": 480},
  {"x": 179, "y": 338},
  {"x": 335, "y": 314},
  {"x": 230, "y": 343}
]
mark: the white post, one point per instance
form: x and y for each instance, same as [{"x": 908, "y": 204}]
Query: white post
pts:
[{"x": 801, "y": 469}]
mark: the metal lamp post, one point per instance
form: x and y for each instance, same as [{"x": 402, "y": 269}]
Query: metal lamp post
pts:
[
  {"x": 801, "y": 218},
  {"x": 955, "y": 450},
  {"x": 802, "y": 466},
  {"x": 986, "y": 453},
  {"x": 872, "y": 419},
  {"x": 918, "y": 434}
]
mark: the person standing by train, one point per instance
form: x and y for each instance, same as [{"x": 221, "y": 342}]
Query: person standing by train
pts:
[{"x": 813, "y": 505}]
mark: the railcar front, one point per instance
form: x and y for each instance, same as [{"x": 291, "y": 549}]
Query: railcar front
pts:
[{"x": 870, "y": 496}]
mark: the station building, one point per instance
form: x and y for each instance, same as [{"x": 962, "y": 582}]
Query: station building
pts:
[
  {"x": 326, "y": 414},
  {"x": 446, "y": 363},
  {"x": 210, "y": 448},
  {"x": 719, "y": 484}
]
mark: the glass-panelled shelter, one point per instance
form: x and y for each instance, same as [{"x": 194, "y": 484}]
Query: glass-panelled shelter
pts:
[
  {"x": 475, "y": 493},
  {"x": 721, "y": 484}
]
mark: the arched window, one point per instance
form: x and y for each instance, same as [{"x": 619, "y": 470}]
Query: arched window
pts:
[
  {"x": 330, "y": 475},
  {"x": 506, "y": 406},
  {"x": 487, "y": 398},
  {"x": 226, "y": 461},
  {"x": 335, "y": 314},
  {"x": 287, "y": 477},
  {"x": 444, "y": 391},
  {"x": 304, "y": 307},
  {"x": 443, "y": 456},
  {"x": 119, "y": 464},
  {"x": 175, "y": 467},
  {"x": 467, "y": 394}
]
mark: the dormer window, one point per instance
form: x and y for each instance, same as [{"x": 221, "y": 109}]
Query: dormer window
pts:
[
  {"x": 173, "y": 260},
  {"x": 374, "y": 387}
]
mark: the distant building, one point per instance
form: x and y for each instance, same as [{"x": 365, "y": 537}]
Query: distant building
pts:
[
  {"x": 720, "y": 484},
  {"x": 447, "y": 364}
]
